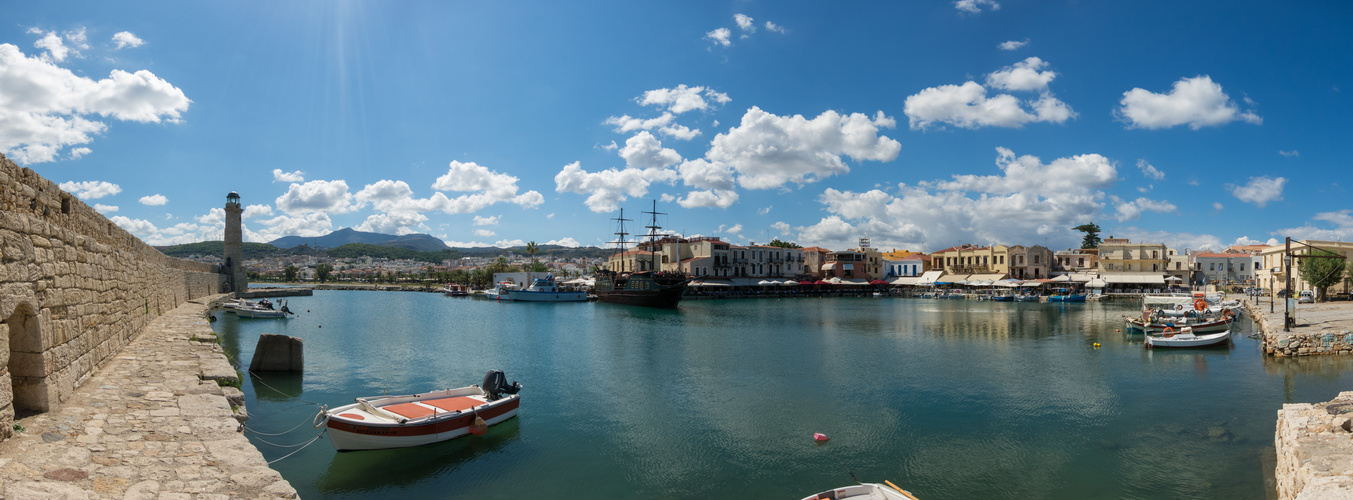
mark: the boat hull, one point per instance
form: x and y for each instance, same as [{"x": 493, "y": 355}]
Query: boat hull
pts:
[
  {"x": 666, "y": 298},
  {"x": 532, "y": 296},
  {"x": 1180, "y": 341},
  {"x": 1154, "y": 328},
  {"x": 245, "y": 312},
  {"x": 1080, "y": 297},
  {"x": 347, "y": 434},
  {"x": 863, "y": 491}
]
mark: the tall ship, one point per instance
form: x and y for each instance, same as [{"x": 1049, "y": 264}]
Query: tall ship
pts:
[{"x": 647, "y": 287}]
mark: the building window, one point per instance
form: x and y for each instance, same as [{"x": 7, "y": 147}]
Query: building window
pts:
[
  {"x": 1035, "y": 260},
  {"x": 1212, "y": 266}
]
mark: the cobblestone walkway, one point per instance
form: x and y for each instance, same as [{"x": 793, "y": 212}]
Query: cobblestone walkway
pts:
[{"x": 151, "y": 424}]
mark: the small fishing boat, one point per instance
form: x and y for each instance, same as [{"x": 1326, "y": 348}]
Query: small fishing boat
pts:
[
  {"x": 1186, "y": 338},
  {"x": 1026, "y": 297},
  {"x": 864, "y": 491},
  {"x": 455, "y": 290},
  {"x": 1066, "y": 295},
  {"x": 380, "y": 422},
  {"x": 259, "y": 312}
]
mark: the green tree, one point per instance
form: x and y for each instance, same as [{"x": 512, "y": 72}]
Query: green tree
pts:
[
  {"x": 531, "y": 250},
  {"x": 291, "y": 271},
  {"x": 322, "y": 272},
  {"x": 1321, "y": 273},
  {"x": 1091, "y": 231},
  {"x": 782, "y": 244}
]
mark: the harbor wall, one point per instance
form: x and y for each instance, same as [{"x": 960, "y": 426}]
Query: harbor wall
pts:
[
  {"x": 1315, "y": 450},
  {"x": 74, "y": 290}
]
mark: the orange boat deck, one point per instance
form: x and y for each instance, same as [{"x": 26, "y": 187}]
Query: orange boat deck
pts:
[{"x": 420, "y": 409}]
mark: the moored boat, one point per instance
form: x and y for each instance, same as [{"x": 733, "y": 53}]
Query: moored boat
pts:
[
  {"x": 455, "y": 290},
  {"x": 1208, "y": 325},
  {"x": 544, "y": 290},
  {"x": 647, "y": 288},
  {"x": 1186, "y": 338},
  {"x": 380, "y": 422},
  {"x": 864, "y": 491}
]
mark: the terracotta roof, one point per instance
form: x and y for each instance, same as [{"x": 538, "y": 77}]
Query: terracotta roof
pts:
[{"x": 1222, "y": 255}]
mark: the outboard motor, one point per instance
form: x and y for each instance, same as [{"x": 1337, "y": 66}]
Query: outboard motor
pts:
[{"x": 495, "y": 385}]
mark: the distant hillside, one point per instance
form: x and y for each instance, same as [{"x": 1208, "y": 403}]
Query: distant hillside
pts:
[
  {"x": 418, "y": 242},
  {"x": 546, "y": 253},
  {"x": 217, "y": 248}
]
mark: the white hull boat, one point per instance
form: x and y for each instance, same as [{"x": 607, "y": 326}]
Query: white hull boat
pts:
[
  {"x": 1187, "y": 338},
  {"x": 381, "y": 422},
  {"x": 864, "y": 491},
  {"x": 258, "y": 312},
  {"x": 540, "y": 290}
]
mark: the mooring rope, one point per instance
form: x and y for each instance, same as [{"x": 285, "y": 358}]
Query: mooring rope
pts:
[
  {"x": 254, "y": 376},
  {"x": 298, "y": 426},
  {"x": 302, "y": 447}
]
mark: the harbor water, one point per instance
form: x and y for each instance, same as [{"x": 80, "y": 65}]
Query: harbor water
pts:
[{"x": 950, "y": 399}]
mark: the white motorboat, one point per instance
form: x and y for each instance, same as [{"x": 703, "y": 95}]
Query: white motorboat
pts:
[
  {"x": 380, "y": 422},
  {"x": 543, "y": 290},
  {"x": 864, "y": 491},
  {"x": 259, "y": 312},
  {"x": 1186, "y": 338}
]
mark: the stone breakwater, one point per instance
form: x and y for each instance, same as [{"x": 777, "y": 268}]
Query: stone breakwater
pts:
[
  {"x": 1315, "y": 450},
  {"x": 1325, "y": 328},
  {"x": 152, "y": 423}
]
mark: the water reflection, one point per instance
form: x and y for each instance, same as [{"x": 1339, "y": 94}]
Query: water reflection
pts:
[
  {"x": 277, "y": 386},
  {"x": 353, "y": 472}
]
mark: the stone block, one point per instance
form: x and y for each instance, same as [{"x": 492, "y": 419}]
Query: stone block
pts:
[{"x": 278, "y": 353}]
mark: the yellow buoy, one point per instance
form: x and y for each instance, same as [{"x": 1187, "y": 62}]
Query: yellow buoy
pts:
[{"x": 1096, "y": 345}]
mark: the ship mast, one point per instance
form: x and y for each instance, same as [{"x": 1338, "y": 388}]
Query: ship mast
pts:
[
  {"x": 620, "y": 242},
  {"x": 653, "y": 228}
]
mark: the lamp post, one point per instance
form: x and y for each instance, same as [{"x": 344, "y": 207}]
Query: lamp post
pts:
[{"x": 1287, "y": 287}]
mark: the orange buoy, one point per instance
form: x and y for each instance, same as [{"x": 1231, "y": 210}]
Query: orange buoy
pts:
[
  {"x": 479, "y": 426},
  {"x": 820, "y": 437}
]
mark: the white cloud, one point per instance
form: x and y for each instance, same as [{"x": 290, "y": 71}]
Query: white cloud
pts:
[
  {"x": 682, "y": 98},
  {"x": 253, "y": 211},
  {"x": 768, "y": 150},
  {"x": 213, "y": 217},
  {"x": 77, "y": 153},
  {"x": 484, "y": 233},
  {"x": 566, "y": 242},
  {"x": 394, "y": 223},
  {"x": 720, "y": 36},
  {"x": 782, "y": 227},
  {"x": 775, "y": 28},
  {"x": 1216, "y": 205},
  {"x": 625, "y": 124},
  {"x": 764, "y": 211},
  {"x": 735, "y": 229},
  {"x": 1024, "y": 75},
  {"x": 90, "y": 190},
  {"x": 704, "y": 174},
  {"x": 680, "y": 132},
  {"x": 1342, "y": 229},
  {"x": 645, "y": 151},
  {"x": 1013, "y": 44},
  {"x": 487, "y": 187},
  {"x": 509, "y": 243},
  {"x": 125, "y": 39},
  {"x": 279, "y": 176},
  {"x": 1132, "y": 210},
  {"x": 105, "y": 209},
  {"x": 1198, "y": 102},
  {"x": 1260, "y": 190},
  {"x": 1149, "y": 171},
  {"x": 467, "y": 244},
  {"x": 137, "y": 227},
  {"x": 1030, "y": 200},
  {"x": 316, "y": 197},
  {"x": 45, "y": 107},
  {"x": 607, "y": 188},
  {"x": 975, "y": 6},
  {"x": 154, "y": 200},
  {"x": 310, "y": 224},
  {"x": 715, "y": 198},
  {"x": 745, "y": 23},
  {"x": 967, "y": 105},
  {"x": 1290, "y": 154},
  {"x": 486, "y": 221}
]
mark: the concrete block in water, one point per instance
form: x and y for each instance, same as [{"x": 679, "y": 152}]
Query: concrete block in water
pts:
[{"x": 278, "y": 353}]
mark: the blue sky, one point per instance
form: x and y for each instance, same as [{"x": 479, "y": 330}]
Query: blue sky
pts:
[{"x": 919, "y": 125}]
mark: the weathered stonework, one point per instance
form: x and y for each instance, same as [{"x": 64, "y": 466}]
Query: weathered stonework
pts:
[
  {"x": 74, "y": 289},
  {"x": 1325, "y": 328},
  {"x": 1315, "y": 450}
]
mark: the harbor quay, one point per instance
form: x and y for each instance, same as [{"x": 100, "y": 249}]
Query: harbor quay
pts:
[
  {"x": 1314, "y": 441},
  {"x": 162, "y": 419}
]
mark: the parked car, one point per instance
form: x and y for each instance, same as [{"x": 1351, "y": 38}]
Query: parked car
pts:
[{"x": 1306, "y": 297}]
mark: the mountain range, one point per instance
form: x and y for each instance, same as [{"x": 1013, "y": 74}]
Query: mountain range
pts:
[{"x": 419, "y": 242}]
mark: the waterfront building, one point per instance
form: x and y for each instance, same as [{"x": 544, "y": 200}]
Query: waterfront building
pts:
[
  {"x": 1028, "y": 263},
  {"x": 813, "y": 260},
  {"x": 1076, "y": 261},
  {"x": 845, "y": 264},
  {"x": 1224, "y": 268},
  {"x": 971, "y": 259},
  {"x": 1119, "y": 255},
  {"x": 904, "y": 264},
  {"x": 632, "y": 261},
  {"x": 708, "y": 258},
  {"x": 1271, "y": 275}
]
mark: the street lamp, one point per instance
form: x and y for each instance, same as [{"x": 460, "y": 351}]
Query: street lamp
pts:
[{"x": 1287, "y": 288}]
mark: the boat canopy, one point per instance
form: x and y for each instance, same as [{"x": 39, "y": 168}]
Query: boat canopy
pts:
[
  {"x": 1135, "y": 278},
  {"x": 986, "y": 277}
]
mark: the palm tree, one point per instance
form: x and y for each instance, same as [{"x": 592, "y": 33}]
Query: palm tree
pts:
[{"x": 531, "y": 250}]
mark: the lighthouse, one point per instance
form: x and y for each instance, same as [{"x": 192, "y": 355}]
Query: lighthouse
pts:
[{"x": 236, "y": 278}]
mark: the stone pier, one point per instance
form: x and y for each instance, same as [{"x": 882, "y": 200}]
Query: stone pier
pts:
[{"x": 152, "y": 423}]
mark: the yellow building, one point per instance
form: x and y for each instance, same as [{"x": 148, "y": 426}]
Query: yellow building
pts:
[
  {"x": 970, "y": 259},
  {"x": 1271, "y": 273}
]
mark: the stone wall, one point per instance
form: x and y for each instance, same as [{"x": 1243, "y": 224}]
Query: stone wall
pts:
[
  {"x": 1315, "y": 450},
  {"x": 74, "y": 289}
]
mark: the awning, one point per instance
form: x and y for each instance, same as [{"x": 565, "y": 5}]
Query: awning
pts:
[
  {"x": 1082, "y": 277},
  {"x": 852, "y": 282},
  {"x": 1135, "y": 278},
  {"x": 710, "y": 283},
  {"x": 1065, "y": 278},
  {"x": 929, "y": 277},
  {"x": 986, "y": 277},
  {"x": 949, "y": 279},
  {"x": 1095, "y": 283},
  {"x": 906, "y": 281},
  {"x": 1008, "y": 283}
]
